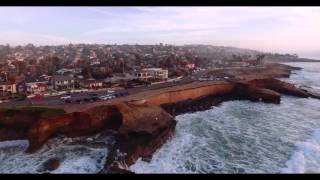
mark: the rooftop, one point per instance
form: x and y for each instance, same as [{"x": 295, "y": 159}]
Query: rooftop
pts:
[
  {"x": 152, "y": 69},
  {"x": 62, "y": 78},
  {"x": 35, "y": 79}
]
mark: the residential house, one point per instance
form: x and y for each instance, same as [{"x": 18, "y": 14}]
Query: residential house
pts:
[
  {"x": 7, "y": 88},
  {"x": 190, "y": 65},
  {"x": 152, "y": 73},
  {"x": 36, "y": 85},
  {"x": 60, "y": 82},
  {"x": 91, "y": 84},
  {"x": 65, "y": 71},
  {"x": 94, "y": 61},
  {"x": 120, "y": 77}
]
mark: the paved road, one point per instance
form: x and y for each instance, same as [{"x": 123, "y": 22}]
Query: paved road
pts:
[{"x": 55, "y": 100}]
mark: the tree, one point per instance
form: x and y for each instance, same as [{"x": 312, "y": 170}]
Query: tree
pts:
[{"x": 21, "y": 66}]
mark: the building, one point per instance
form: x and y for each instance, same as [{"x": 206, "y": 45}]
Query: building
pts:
[
  {"x": 94, "y": 61},
  {"x": 60, "y": 82},
  {"x": 36, "y": 85},
  {"x": 7, "y": 88},
  {"x": 152, "y": 73},
  {"x": 121, "y": 77},
  {"x": 190, "y": 66},
  {"x": 91, "y": 84},
  {"x": 65, "y": 71}
]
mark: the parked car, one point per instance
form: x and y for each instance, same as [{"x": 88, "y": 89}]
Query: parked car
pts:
[
  {"x": 93, "y": 94},
  {"x": 109, "y": 91},
  {"x": 95, "y": 98},
  {"x": 80, "y": 101},
  {"x": 65, "y": 97},
  {"x": 68, "y": 100},
  {"x": 103, "y": 98},
  {"x": 86, "y": 99},
  {"x": 123, "y": 93}
]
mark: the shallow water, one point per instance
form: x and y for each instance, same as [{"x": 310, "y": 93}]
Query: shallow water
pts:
[{"x": 246, "y": 137}]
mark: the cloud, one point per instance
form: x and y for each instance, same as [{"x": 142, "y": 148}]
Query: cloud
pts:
[
  {"x": 263, "y": 28},
  {"x": 19, "y": 38}
]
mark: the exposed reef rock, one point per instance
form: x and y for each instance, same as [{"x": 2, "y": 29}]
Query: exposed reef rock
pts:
[
  {"x": 279, "y": 86},
  {"x": 254, "y": 93},
  {"x": 52, "y": 164},
  {"x": 311, "y": 92}
]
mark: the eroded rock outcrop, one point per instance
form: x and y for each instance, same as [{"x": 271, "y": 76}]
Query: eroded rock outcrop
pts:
[
  {"x": 140, "y": 129},
  {"x": 254, "y": 93},
  {"x": 144, "y": 129},
  {"x": 279, "y": 86},
  {"x": 74, "y": 124}
]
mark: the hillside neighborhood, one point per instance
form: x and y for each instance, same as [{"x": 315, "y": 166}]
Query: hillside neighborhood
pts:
[{"x": 37, "y": 72}]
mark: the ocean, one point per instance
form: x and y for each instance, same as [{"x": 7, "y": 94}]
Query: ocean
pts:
[
  {"x": 247, "y": 137},
  {"x": 235, "y": 137}
]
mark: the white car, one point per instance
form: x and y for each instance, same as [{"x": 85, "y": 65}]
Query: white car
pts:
[
  {"x": 110, "y": 91},
  {"x": 106, "y": 97},
  {"x": 65, "y": 97}
]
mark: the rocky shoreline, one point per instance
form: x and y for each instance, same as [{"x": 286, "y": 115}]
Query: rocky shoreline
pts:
[{"x": 142, "y": 126}]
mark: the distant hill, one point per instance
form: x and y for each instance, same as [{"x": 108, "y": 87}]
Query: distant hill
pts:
[{"x": 154, "y": 55}]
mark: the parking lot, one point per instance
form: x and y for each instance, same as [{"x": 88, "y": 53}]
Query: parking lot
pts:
[{"x": 80, "y": 97}]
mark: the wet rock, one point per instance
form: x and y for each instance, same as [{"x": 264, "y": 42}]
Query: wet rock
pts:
[
  {"x": 52, "y": 164},
  {"x": 279, "y": 86},
  {"x": 256, "y": 94},
  {"x": 118, "y": 170},
  {"x": 140, "y": 134}
]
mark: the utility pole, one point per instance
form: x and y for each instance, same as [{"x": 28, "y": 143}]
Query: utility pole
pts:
[{"x": 122, "y": 66}]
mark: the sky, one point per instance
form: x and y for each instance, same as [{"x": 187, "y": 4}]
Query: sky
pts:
[{"x": 269, "y": 29}]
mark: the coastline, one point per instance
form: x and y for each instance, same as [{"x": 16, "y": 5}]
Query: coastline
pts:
[{"x": 137, "y": 127}]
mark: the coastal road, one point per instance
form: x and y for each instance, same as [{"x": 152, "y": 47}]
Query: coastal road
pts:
[{"x": 56, "y": 101}]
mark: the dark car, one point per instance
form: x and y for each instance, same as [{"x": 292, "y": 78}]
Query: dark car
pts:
[
  {"x": 21, "y": 99},
  {"x": 123, "y": 93},
  {"x": 93, "y": 94},
  {"x": 68, "y": 101},
  {"x": 87, "y": 99},
  {"x": 80, "y": 101},
  {"x": 95, "y": 98}
]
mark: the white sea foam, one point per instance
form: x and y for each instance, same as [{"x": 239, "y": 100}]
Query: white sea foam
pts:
[
  {"x": 238, "y": 137},
  {"x": 82, "y": 164},
  {"x": 306, "y": 159},
  {"x": 74, "y": 156}
]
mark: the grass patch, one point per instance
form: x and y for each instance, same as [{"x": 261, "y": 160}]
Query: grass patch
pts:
[{"x": 43, "y": 112}]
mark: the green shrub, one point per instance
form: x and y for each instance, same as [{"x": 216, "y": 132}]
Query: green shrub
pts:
[{"x": 42, "y": 111}]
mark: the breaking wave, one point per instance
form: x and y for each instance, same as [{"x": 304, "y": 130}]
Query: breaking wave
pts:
[
  {"x": 246, "y": 137},
  {"x": 306, "y": 159},
  {"x": 76, "y": 155}
]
